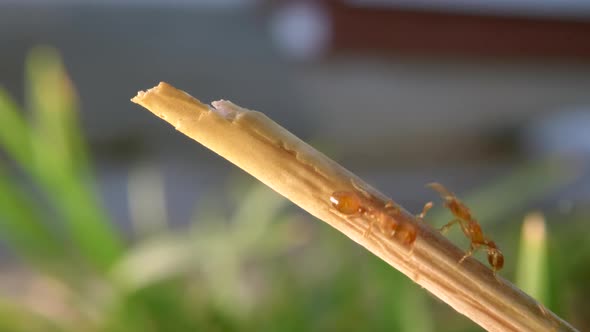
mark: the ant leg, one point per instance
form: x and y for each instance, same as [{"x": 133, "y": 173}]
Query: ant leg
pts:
[
  {"x": 494, "y": 270},
  {"x": 369, "y": 229},
  {"x": 467, "y": 254},
  {"x": 446, "y": 227},
  {"x": 425, "y": 209},
  {"x": 444, "y": 192},
  {"x": 411, "y": 252},
  {"x": 472, "y": 250},
  {"x": 392, "y": 208},
  {"x": 389, "y": 205}
]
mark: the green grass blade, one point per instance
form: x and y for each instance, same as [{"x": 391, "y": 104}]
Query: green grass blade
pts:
[
  {"x": 61, "y": 163},
  {"x": 21, "y": 224},
  {"x": 23, "y": 228},
  {"x": 53, "y": 101},
  {"x": 532, "y": 269},
  {"x": 15, "y": 135},
  {"x": 258, "y": 209}
]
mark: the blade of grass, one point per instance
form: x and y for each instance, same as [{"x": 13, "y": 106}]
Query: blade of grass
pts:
[
  {"x": 532, "y": 271},
  {"x": 15, "y": 135},
  {"x": 61, "y": 165},
  {"x": 52, "y": 99},
  {"x": 23, "y": 227},
  {"x": 257, "y": 210}
]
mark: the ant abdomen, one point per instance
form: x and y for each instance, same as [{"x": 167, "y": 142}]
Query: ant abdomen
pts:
[
  {"x": 495, "y": 258},
  {"x": 346, "y": 202}
]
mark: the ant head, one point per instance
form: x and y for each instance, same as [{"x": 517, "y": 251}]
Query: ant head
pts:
[{"x": 495, "y": 257}]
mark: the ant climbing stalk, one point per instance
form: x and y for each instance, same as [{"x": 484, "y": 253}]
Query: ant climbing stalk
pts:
[{"x": 470, "y": 227}]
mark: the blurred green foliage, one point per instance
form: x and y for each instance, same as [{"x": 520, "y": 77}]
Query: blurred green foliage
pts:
[{"x": 246, "y": 263}]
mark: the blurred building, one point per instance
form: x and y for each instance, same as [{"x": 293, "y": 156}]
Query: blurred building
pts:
[{"x": 403, "y": 92}]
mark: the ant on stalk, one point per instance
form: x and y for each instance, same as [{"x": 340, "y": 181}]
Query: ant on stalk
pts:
[
  {"x": 469, "y": 226},
  {"x": 384, "y": 214}
]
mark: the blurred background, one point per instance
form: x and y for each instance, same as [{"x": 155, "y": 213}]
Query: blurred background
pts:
[{"x": 110, "y": 220}]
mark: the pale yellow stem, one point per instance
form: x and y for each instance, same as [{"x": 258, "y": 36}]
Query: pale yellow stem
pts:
[{"x": 308, "y": 178}]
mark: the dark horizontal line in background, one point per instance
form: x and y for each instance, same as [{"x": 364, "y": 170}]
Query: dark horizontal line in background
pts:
[{"x": 404, "y": 31}]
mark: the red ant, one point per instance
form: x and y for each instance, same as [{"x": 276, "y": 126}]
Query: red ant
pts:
[
  {"x": 469, "y": 226},
  {"x": 380, "y": 212}
]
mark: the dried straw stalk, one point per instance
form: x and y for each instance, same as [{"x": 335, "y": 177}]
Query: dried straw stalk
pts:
[{"x": 307, "y": 177}]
